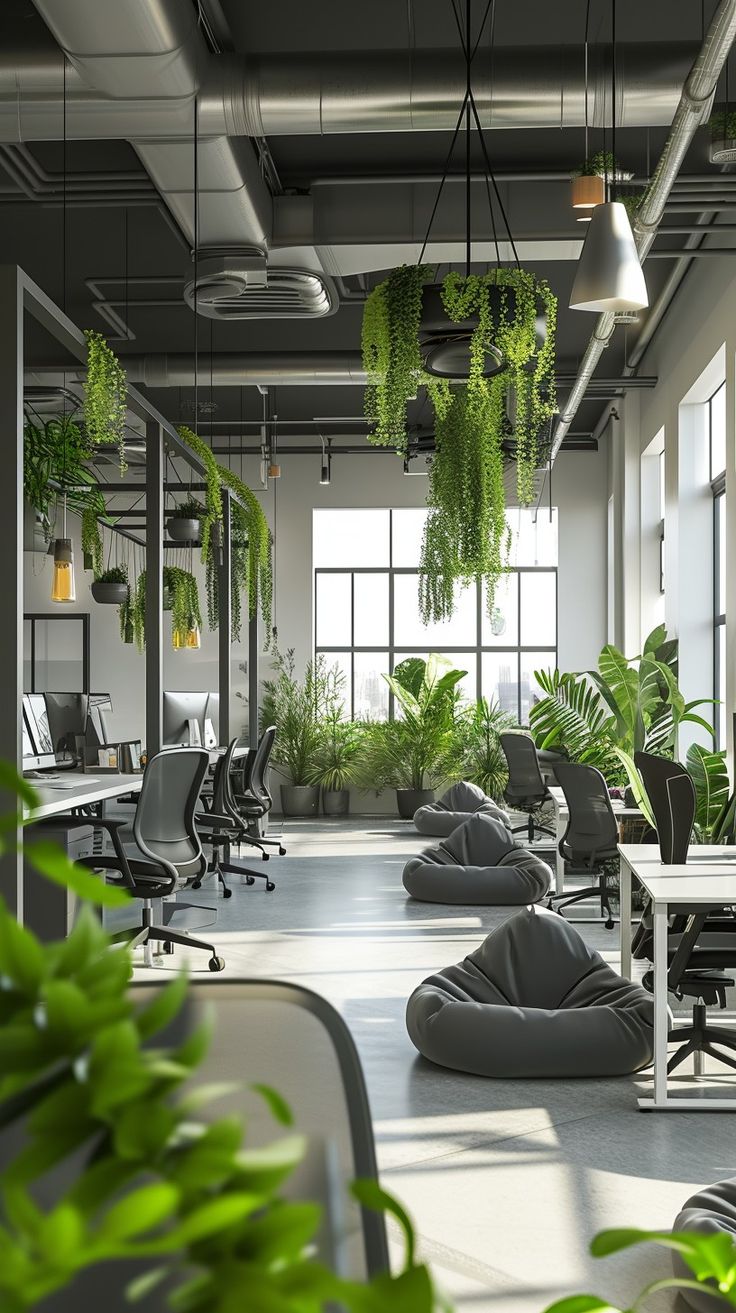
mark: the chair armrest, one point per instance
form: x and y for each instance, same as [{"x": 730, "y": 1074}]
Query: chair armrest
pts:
[{"x": 211, "y": 821}]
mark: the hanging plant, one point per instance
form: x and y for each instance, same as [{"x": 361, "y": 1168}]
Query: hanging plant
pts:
[
  {"x": 185, "y": 609},
  {"x": 240, "y": 574},
  {"x": 105, "y": 397},
  {"x": 466, "y": 530},
  {"x": 213, "y": 492},
  {"x": 53, "y": 464}
]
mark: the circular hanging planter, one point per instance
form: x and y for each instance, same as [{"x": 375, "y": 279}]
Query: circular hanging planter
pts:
[
  {"x": 183, "y": 530},
  {"x": 445, "y": 346},
  {"x": 109, "y": 593}
]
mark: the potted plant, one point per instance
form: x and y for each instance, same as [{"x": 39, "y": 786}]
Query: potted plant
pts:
[
  {"x": 110, "y": 588},
  {"x": 186, "y": 618},
  {"x": 418, "y": 750},
  {"x": 105, "y": 397},
  {"x": 722, "y": 124},
  {"x": 300, "y": 710},
  {"x": 472, "y": 342},
  {"x": 479, "y": 752},
  {"x": 54, "y": 465},
  {"x": 185, "y": 524},
  {"x": 337, "y": 764},
  {"x": 112, "y": 1163}
]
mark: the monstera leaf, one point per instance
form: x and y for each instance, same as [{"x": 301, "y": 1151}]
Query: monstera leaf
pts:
[{"x": 709, "y": 774}]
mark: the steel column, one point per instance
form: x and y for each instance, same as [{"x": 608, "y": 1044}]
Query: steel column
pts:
[
  {"x": 155, "y": 461},
  {"x": 253, "y": 681},
  {"x": 224, "y": 618},
  {"x": 11, "y": 644}
]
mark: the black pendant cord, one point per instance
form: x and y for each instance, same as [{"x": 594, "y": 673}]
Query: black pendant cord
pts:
[
  {"x": 613, "y": 100},
  {"x": 494, "y": 184},
  {"x": 196, "y": 272},
  {"x": 468, "y": 57},
  {"x": 443, "y": 180}
]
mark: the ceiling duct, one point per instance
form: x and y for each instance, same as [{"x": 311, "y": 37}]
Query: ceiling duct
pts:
[
  {"x": 239, "y": 285},
  {"x": 694, "y": 102}
]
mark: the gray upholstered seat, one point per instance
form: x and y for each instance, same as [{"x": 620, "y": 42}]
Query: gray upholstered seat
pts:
[
  {"x": 711, "y": 1210},
  {"x": 455, "y": 806},
  {"x": 478, "y": 863},
  {"x": 533, "y": 1000}
]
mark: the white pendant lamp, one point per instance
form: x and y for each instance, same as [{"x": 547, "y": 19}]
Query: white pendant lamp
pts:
[{"x": 609, "y": 274}]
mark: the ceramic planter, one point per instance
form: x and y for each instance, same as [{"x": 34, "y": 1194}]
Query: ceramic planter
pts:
[
  {"x": 182, "y": 530},
  {"x": 108, "y": 593},
  {"x": 336, "y": 802},
  {"x": 300, "y": 799},
  {"x": 410, "y": 800}
]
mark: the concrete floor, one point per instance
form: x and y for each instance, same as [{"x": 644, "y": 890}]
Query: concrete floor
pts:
[{"x": 507, "y": 1181}]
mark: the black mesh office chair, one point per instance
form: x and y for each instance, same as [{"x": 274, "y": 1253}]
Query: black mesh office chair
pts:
[
  {"x": 166, "y": 851},
  {"x": 223, "y": 825},
  {"x": 671, "y": 794},
  {"x": 591, "y": 836},
  {"x": 526, "y": 791},
  {"x": 252, "y": 798}
]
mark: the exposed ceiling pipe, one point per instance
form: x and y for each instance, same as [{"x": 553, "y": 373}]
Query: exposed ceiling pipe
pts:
[
  {"x": 146, "y": 92},
  {"x": 668, "y": 292},
  {"x": 696, "y": 95},
  {"x": 264, "y": 369}
]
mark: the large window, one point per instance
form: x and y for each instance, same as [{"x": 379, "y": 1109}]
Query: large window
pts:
[
  {"x": 716, "y": 410},
  {"x": 366, "y": 614}
]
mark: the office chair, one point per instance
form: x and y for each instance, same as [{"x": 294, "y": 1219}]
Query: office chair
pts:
[
  {"x": 254, "y": 800},
  {"x": 292, "y": 1040},
  {"x": 700, "y": 946},
  {"x": 165, "y": 852},
  {"x": 591, "y": 834},
  {"x": 526, "y": 791},
  {"x": 671, "y": 793},
  {"x": 222, "y": 826}
]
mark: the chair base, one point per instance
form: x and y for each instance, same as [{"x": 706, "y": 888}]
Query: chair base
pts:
[
  {"x": 701, "y": 1038},
  {"x": 236, "y": 868},
  {"x": 150, "y": 933},
  {"x": 531, "y": 828},
  {"x": 557, "y": 902}
]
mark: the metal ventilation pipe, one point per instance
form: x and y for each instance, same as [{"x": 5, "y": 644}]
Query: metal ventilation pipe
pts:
[
  {"x": 263, "y": 369},
  {"x": 696, "y": 95},
  {"x": 147, "y": 92},
  {"x": 136, "y": 68}
]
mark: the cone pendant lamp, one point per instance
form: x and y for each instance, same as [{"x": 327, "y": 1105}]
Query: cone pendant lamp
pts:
[{"x": 609, "y": 275}]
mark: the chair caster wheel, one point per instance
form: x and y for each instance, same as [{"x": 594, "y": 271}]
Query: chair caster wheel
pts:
[
  {"x": 270, "y": 886},
  {"x": 609, "y": 924},
  {"x": 265, "y": 856},
  {"x": 197, "y": 884},
  {"x": 168, "y": 948},
  {"x": 282, "y": 852},
  {"x": 250, "y": 879},
  {"x": 217, "y": 964},
  {"x": 227, "y": 893}
]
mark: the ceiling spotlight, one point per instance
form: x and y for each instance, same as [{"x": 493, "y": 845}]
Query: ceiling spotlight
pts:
[{"x": 326, "y": 469}]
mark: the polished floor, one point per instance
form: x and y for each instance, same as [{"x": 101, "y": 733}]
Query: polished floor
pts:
[{"x": 507, "y": 1180}]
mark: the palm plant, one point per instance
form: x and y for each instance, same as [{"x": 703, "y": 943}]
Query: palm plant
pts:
[
  {"x": 336, "y": 767},
  {"x": 300, "y": 710},
  {"x": 480, "y": 755},
  {"x": 419, "y": 749},
  {"x": 627, "y": 705}
]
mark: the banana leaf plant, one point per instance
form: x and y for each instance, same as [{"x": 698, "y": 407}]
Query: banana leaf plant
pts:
[{"x": 627, "y": 705}]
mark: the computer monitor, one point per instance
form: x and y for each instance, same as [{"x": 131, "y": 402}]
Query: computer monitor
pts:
[
  {"x": 37, "y": 745},
  {"x": 98, "y": 732},
  {"x": 179, "y": 708},
  {"x": 67, "y": 717}
]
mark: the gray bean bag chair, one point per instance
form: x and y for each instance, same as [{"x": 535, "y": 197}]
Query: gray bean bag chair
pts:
[
  {"x": 478, "y": 863},
  {"x": 711, "y": 1210},
  {"x": 533, "y": 1000},
  {"x": 454, "y": 807}
]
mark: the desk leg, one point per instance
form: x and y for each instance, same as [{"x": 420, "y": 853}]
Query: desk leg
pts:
[
  {"x": 661, "y": 1020},
  {"x": 625, "y": 910},
  {"x": 560, "y": 824}
]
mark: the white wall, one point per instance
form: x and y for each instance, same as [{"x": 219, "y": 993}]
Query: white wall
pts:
[{"x": 694, "y": 349}]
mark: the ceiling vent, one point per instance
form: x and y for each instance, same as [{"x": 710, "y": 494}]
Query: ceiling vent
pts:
[{"x": 239, "y": 285}]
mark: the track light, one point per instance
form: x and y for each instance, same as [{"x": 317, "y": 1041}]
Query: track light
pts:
[
  {"x": 326, "y": 470},
  {"x": 609, "y": 274}
]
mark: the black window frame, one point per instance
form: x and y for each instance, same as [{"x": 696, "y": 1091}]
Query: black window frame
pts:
[{"x": 478, "y": 649}]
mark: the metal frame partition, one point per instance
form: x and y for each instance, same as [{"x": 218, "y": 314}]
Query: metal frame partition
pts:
[{"x": 19, "y": 296}]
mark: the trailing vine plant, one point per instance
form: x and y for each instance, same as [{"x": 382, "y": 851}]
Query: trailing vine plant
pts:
[
  {"x": 466, "y": 533},
  {"x": 185, "y": 608},
  {"x": 54, "y": 453},
  {"x": 105, "y": 396}
]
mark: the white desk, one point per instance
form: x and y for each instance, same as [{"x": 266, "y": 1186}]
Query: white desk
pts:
[
  {"x": 708, "y": 880},
  {"x": 87, "y": 789},
  {"x": 562, "y": 816},
  {"x": 50, "y": 909}
]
